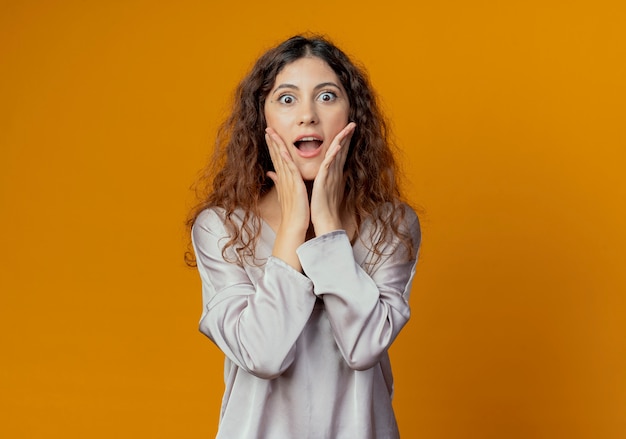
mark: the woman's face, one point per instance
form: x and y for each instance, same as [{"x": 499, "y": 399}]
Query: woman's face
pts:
[{"x": 307, "y": 107}]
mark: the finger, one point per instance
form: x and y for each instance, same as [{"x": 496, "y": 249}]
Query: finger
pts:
[
  {"x": 287, "y": 165},
  {"x": 346, "y": 135},
  {"x": 278, "y": 142},
  {"x": 286, "y": 176},
  {"x": 341, "y": 140},
  {"x": 272, "y": 146},
  {"x": 345, "y": 144},
  {"x": 275, "y": 153},
  {"x": 280, "y": 150},
  {"x": 338, "y": 151}
]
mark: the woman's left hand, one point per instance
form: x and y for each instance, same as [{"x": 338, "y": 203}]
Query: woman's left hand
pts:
[{"x": 330, "y": 183}]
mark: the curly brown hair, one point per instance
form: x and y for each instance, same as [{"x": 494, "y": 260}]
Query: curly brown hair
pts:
[{"x": 231, "y": 183}]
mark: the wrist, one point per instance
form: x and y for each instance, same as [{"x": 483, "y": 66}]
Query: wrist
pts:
[
  {"x": 327, "y": 225},
  {"x": 285, "y": 246},
  {"x": 292, "y": 232}
]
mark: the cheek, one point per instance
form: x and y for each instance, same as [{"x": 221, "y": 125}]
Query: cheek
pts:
[
  {"x": 270, "y": 115},
  {"x": 267, "y": 116},
  {"x": 342, "y": 117},
  {"x": 276, "y": 120},
  {"x": 345, "y": 114}
]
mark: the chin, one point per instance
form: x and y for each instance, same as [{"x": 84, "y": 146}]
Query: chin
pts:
[{"x": 309, "y": 173}]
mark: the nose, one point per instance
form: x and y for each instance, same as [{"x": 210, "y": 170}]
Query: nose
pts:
[{"x": 308, "y": 114}]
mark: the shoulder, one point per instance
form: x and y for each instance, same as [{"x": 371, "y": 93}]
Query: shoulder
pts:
[
  {"x": 399, "y": 213},
  {"x": 407, "y": 211},
  {"x": 216, "y": 221},
  {"x": 215, "y": 216},
  {"x": 402, "y": 223},
  {"x": 221, "y": 228},
  {"x": 210, "y": 219},
  {"x": 411, "y": 220},
  {"x": 409, "y": 225}
]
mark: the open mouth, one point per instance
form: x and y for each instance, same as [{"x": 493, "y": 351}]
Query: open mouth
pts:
[{"x": 308, "y": 144}]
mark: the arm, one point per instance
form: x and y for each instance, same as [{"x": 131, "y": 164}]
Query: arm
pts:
[
  {"x": 366, "y": 312},
  {"x": 255, "y": 324}
]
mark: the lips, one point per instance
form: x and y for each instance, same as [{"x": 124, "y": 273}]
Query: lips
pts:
[{"x": 308, "y": 146}]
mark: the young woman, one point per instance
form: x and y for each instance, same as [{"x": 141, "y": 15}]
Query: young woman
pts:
[{"x": 305, "y": 250}]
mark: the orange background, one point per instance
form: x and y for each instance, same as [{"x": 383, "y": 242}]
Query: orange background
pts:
[{"x": 511, "y": 118}]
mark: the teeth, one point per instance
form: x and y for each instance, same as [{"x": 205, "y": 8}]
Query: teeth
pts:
[{"x": 308, "y": 139}]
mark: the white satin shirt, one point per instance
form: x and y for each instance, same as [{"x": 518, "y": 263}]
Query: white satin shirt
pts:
[{"x": 306, "y": 354}]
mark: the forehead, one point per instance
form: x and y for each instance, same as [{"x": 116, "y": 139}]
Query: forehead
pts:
[{"x": 306, "y": 71}]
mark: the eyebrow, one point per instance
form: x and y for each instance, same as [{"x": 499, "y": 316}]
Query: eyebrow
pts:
[{"x": 317, "y": 87}]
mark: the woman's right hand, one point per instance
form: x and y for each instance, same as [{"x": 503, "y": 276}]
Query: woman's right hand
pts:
[{"x": 293, "y": 200}]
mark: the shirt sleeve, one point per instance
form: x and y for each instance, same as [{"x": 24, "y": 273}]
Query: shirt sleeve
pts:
[
  {"x": 366, "y": 311},
  {"x": 255, "y": 323}
]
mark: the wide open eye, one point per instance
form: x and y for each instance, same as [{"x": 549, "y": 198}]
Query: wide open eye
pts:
[
  {"x": 286, "y": 99},
  {"x": 327, "y": 96}
]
